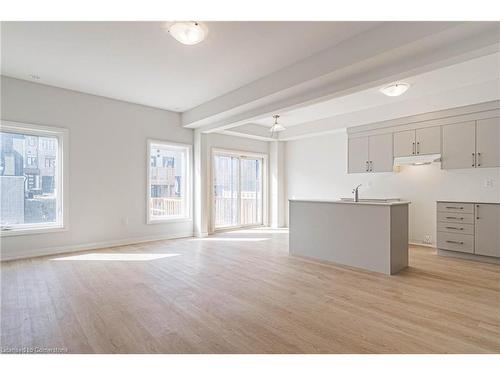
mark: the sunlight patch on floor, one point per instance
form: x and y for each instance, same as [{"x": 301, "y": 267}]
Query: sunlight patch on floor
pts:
[
  {"x": 261, "y": 231},
  {"x": 230, "y": 239}
]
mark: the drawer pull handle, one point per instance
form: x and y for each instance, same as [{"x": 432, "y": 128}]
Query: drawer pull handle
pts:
[
  {"x": 455, "y": 208},
  {"x": 457, "y": 242},
  {"x": 455, "y": 218},
  {"x": 455, "y": 228}
]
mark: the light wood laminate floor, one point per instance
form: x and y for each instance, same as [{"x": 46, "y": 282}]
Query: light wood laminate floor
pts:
[{"x": 241, "y": 292}]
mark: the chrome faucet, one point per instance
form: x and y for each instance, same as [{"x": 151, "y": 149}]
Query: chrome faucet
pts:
[{"x": 356, "y": 193}]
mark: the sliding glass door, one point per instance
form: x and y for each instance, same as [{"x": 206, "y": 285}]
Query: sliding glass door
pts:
[
  {"x": 237, "y": 190},
  {"x": 226, "y": 190}
]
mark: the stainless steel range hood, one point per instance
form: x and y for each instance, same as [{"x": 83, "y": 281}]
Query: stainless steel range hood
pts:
[{"x": 417, "y": 159}]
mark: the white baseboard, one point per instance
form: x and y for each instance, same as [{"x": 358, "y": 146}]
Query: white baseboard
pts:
[
  {"x": 91, "y": 246},
  {"x": 422, "y": 244}
]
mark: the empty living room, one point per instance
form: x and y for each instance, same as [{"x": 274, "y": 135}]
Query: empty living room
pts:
[{"x": 266, "y": 187}]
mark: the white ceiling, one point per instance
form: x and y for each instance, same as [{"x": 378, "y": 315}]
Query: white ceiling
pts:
[
  {"x": 435, "y": 82},
  {"x": 138, "y": 62}
]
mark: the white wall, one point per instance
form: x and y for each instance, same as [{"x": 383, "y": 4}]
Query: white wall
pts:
[
  {"x": 107, "y": 151},
  {"x": 316, "y": 168}
]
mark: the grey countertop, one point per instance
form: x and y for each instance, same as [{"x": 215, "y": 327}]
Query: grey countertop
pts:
[
  {"x": 472, "y": 202},
  {"x": 374, "y": 202}
]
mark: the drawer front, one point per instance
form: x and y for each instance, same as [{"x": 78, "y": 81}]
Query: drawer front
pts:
[
  {"x": 455, "y": 242},
  {"x": 455, "y": 217},
  {"x": 455, "y": 228},
  {"x": 465, "y": 208}
]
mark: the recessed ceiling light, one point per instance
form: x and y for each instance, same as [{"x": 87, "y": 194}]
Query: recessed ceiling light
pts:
[
  {"x": 189, "y": 32},
  {"x": 395, "y": 89},
  {"x": 34, "y": 76}
]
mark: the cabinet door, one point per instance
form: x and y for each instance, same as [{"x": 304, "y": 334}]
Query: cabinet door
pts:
[
  {"x": 459, "y": 145},
  {"x": 357, "y": 155},
  {"x": 428, "y": 140},
  {"x": 487, "y": 230},
  {"x": 488, "y": 143},
  {"x": 380, "y": 153},
  {"x": 404, "y": 143}
]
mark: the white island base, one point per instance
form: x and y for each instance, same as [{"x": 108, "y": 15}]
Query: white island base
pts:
[{"x": 367, "y": 235}]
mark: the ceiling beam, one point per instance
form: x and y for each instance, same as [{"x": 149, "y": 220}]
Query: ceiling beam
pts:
[{"x": 351, "y": 66}]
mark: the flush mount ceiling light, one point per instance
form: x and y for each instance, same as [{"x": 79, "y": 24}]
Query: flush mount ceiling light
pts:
[
  {"x": 395, "y": 89},
  {"x": 189, "y": 32},
  {"x": 276, "y": 127}
]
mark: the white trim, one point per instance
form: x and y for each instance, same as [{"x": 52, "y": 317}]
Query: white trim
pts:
[
  {"x": 62, "y": 176},
  {"x": 32, "y": 230},
  {"x": 93, "y": 246},
  {"x": 188, "y": 182},
  {"x": 422, "y": 244}
]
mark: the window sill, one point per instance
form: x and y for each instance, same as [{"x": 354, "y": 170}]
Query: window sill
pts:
[
  {"x": 29, "y": 231},
  {"x": 167, "y": 221}
]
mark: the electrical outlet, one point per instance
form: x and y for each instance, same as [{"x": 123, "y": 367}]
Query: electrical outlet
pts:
[{"x": 428, "y": 239}]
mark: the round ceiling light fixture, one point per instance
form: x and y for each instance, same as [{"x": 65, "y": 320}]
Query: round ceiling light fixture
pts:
[
  {"x": 276, "y": 127},
  {"x": 188, "y": 32},
  {"x": 395, "y": 89}
]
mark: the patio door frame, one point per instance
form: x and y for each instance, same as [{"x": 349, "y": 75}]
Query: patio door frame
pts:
[{"x": 265, "y": 186}]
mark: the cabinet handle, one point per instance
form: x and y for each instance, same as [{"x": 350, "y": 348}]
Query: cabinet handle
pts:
[
  {"x": 477, "y": 212},
  {"x": 457, "y": 242},
  {"x": 473, "y": 160},
  {"x": 455, "y": 228},
  {"x": 478, "y": 159},
  {"x": 367, "y": 166},
  {"x": 413, "y": 148},
  {"x": 455, "y": 208},
  {"x": 455, "y": 218},
  {"x": 418, "y": 148},
  {"x": 371, "y": 166}
]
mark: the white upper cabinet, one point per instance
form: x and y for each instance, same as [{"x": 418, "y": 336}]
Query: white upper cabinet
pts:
[
  {"x": 404, "y": 143},
  {"x": 370, "y": 154},
  {"x": 488, "y": 143},
  {"x": 422, "y": 141},
  {"x": 380, "y": 153},
  {"x": 473, "y": 144},
  {"x": 428, "y": 141},
  {"x": 459, "y": 149},
  {"x": 358, "y": 155}
]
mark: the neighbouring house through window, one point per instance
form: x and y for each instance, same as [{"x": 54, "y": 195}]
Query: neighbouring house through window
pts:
[{"x": 168, "y": 181}]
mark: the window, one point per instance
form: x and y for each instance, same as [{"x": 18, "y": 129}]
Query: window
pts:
[
  {"x": 168, "y": 181},
  {"x": 31, "y": 197},
  {"x": 237, "y": 189}
]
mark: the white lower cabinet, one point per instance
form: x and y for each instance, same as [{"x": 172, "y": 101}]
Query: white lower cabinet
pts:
[
  {"x": 487, "y": 225},
  {"x": 472, "y": 228}
]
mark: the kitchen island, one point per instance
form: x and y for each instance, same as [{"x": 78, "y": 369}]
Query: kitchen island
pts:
[{"x": 369, "y": 234}]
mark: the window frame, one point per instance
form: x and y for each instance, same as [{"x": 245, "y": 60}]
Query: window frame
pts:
[
  {"x": 188, "y": 182},
  {"x": 62, "y": 176}
]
